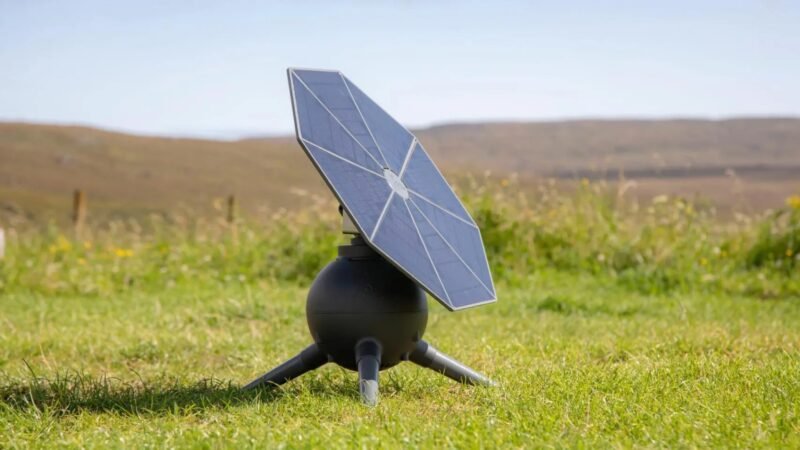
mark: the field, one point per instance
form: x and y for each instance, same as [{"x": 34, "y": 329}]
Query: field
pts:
[{"x": 620, "y": 323}]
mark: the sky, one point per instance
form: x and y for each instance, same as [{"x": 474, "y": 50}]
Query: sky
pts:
[{"x": 218, "y": 68}]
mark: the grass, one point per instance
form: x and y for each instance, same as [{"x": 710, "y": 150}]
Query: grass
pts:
[
  {"x": 579, "y": 361},
  {"x": 146, "y": 342}
]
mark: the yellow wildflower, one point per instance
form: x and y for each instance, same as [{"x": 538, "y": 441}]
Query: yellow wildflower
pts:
[
  {"x": 789, "y": 253},
  {"x": 793, "y": 202},
  {"x": 123, "y": 252},
  {"x": 504, "y": 182},
  {"x": 81, "y": 261},
  {"x": 62, "y": 244}
]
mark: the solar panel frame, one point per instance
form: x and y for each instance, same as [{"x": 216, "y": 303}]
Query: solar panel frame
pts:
[{"x": 368, "y": 237}]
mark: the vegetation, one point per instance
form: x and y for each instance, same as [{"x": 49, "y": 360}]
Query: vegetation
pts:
[
  {"x": 619, "y": 323},
  {"x": 665, "y": 245}
]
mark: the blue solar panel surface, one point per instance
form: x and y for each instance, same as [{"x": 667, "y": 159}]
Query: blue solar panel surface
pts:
[{"x": 385, "y": 180}]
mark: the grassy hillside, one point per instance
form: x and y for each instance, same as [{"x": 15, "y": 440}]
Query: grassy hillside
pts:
[
  {"x": 743, "y": 163},
  {"x": 738, "y": 164},
  {"x": 670, "y": 148},
  {"x": 123, "y": 174}
]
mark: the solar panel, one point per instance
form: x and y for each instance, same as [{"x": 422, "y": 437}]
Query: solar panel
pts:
[{"x": 386, "y": 182}]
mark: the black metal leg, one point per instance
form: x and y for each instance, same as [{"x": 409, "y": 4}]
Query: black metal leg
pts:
[
  {"x": 309, "y": 359},
  {"x": 368, "y": 359},
  {"x": 426, "y": 355}
]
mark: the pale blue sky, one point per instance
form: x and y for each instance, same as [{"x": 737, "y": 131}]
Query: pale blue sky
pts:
[{"x": 217, "y": 68}]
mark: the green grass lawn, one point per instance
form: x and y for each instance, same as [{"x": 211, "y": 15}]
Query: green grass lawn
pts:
[{"x": 580, "y": 360}]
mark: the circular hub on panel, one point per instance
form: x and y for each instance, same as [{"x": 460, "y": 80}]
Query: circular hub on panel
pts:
[{"x": 395, "y": 183}]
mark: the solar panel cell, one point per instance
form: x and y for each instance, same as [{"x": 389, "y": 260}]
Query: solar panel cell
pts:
[
  {"x": 462, "y": 238},
  {"x": 331, "y": 91},
  {"x": 392, "y": 138},
  {"x": 363, "y": 193},
  {"x": 462, "y": 287},
  {"x": 422, "y": 176},
  {"x": 318, "y": 126},
  {"x": 397, "y": 236}
]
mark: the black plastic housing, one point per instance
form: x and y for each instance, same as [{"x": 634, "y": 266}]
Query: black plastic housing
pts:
[{"x": 361, "y": 295}]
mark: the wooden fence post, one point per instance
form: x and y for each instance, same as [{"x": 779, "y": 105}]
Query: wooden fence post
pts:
[
  {"x": 78, "y": 211},
  {"x": 231, "y": 209},
  {"x": 231, "y": 217}
]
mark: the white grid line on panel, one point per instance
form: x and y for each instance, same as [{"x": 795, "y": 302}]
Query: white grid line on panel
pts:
[
  {"x": 380, "y": 218},
  {"x": 411, "y": 149},
  {"x": 337, "y": 120},
  {"x": 425, "y": 152},
  {"x": 446, "y": 211},
  {"x": 336, "y": 155},
  {"x": 453, "y": 250},
  {"x": 430, "y": 258},
  {"x": 385, "y": 112},
  {"x": 363, "y": 119}
]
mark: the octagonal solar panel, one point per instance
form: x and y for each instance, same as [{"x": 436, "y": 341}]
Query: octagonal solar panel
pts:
[{"x": 384, "y": 179}]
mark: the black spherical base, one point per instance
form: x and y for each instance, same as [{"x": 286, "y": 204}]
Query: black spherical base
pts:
[{"x": 360, "y": 297}]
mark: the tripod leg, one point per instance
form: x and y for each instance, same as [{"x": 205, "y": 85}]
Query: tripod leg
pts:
[
  {"x": 306, "y": 361},
  {"x": 426, "y": 355},
  {"x": 368, "y": 359}
]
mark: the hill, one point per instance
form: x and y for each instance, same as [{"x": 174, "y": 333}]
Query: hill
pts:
[
  {"x": 122, "y": 174},
  {"x": 671, "y": 147},
  {"x": 739, "y": 162}
]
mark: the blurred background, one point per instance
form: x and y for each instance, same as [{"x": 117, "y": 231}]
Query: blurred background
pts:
[{"x": 147, "y": 106}]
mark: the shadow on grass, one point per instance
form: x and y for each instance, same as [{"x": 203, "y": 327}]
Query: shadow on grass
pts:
[{"x": 76, "y": 393}]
